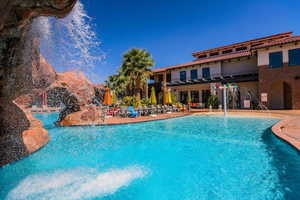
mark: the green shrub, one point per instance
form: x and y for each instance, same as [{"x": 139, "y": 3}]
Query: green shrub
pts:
[
  {"x": 131, "y": 101},
  {"x": 213, "y": 101},
  {"x": 145, "y": 102}
]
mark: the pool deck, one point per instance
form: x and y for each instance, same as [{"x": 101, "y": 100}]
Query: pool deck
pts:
[{"x": 288, "y": 129}]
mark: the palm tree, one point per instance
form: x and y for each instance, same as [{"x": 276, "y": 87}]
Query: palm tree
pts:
[
  {"x": 136, "y": 67},
  {"x": 117, "y": 83}
]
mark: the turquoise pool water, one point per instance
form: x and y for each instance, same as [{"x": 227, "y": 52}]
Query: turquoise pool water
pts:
[{"x": 190, "y": 158}]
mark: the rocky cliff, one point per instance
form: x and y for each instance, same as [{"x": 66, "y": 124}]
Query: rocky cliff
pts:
[{"x": 19, "y": 62}]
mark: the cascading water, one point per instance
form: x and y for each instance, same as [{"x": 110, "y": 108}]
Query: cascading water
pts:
[{"x": 69, "y": 43}]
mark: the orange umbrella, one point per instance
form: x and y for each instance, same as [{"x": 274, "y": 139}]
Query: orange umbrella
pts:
[{"x": 107, "y": 97}]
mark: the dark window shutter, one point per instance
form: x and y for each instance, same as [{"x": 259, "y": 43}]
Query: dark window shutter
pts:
[
  {"x": 294, "y": 57},
  {"x": 275, "y": 59}
]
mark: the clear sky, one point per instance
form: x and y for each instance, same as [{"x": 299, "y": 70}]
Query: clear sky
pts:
[{"x": 172, "y": 29}]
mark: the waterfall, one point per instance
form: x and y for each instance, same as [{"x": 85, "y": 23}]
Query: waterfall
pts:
[{"x": 69, "y": 43}]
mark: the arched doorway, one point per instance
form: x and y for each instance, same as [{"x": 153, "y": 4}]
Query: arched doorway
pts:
[{"x": 280, "y": 96}]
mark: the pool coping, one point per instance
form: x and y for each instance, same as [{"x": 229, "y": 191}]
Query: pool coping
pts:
[
  {"x": 278, "y": 130},
  {"x": 126, "y": 123}
]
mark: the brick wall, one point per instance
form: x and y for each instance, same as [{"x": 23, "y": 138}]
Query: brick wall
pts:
[{"x": 271, "y": 81}]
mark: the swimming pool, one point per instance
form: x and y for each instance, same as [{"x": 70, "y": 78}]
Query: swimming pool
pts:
[{"x": 189, "y": 158}]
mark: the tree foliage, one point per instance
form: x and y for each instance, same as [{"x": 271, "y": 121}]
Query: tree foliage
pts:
[{"x": 133, "y": 74}]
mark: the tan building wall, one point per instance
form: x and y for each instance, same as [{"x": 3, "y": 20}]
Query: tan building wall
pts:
[
  {"x": 215, "y": 70},
  {"x": 242, "y": 66}
]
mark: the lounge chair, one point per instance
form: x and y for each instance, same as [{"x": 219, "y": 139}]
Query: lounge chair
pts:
[
  {"x": 123, "y": 111},
  {"x": 175, "y": 108},
  {"x": 168, "y": 109},
  {"x": 132, "y": 112},
  {"x": 146, "y": 110},
  {"x": 159, "y": 109},
  {"x": 153, "y": 110},
  {"x": 34, "y": 108},
  {"x": 165, "y": 109},
  {"x": 45, "y": 108}
]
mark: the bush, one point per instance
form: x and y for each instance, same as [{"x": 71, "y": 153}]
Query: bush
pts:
[
  {"x": 213, "y": 101},
  {"x": 174, "y": 99},
  {"x": 145, "y": 102},
  {"x": 131, "y": 101}
]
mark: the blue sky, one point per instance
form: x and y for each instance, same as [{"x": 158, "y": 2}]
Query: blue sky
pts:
[{"x": 172, "y": 29}]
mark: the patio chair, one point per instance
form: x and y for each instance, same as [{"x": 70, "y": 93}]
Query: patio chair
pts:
[
  {"x": 109, "y": 112},
  {"x": 132, "y": 112},
  {"x": 123, "y": 111},
  {"x": 141, "y": 111},
  {"x": 159, "y": 109},
  {"x": 152, "y": 111},
  {"x": 175, "y": 108},
  {"x": 45, "y": 108},
  {"x": 146, "y": 110},
  {"x": 165, "y": 109},
  {"x": 34, "y": 108},
  {"x": 168, "y": 109}
]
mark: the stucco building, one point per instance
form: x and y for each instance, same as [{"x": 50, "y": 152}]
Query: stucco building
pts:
[{"x": 266, "y": 72}]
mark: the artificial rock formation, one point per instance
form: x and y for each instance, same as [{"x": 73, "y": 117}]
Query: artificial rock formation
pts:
[
  {"x": 19, "y": 53},
  {"x": 45, "y": 75},
  {"x": 73, "y": 90}
]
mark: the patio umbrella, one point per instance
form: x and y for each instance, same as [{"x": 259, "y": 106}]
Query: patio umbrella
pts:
[
  {"x": 167, "y": 97},
  {"x": 153, "y": 100},
  {"x": 107, "y": 97},
  {"x": 114, "y": 98}
]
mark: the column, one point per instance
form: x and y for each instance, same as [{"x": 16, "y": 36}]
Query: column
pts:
[{"x": 164, "y": 86}]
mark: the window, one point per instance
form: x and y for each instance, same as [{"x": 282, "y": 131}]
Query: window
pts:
[
  {"x": 202, "y": 56},
  {"x": 205, "y": 96},
  {"x": 206, "y": 72},
  {"x": 294, "y": 57},
  {"x": 214, "y": 54},
  {"x": 169, "y": 77},
  {"x": 183, "y": 75},
  {"x": 194, "y": 74},
  {"x": 241, "y": 48},
  {"x": 195, "y": 96},
  {"x": 183, "y": 97},
  {"x": 160, "y": 78},
  {"x": 275, "y": 59},
  {"x": 227, "y": 51}
]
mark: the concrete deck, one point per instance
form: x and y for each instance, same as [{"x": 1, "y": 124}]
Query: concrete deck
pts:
[{"x": 289, "y": 130}]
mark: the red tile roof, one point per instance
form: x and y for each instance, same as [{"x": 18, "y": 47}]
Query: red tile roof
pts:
[
  {"x": 206, "y": 60},
  {"x": 246, "y": 43},
  {"x": 279, "y": 42}
]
